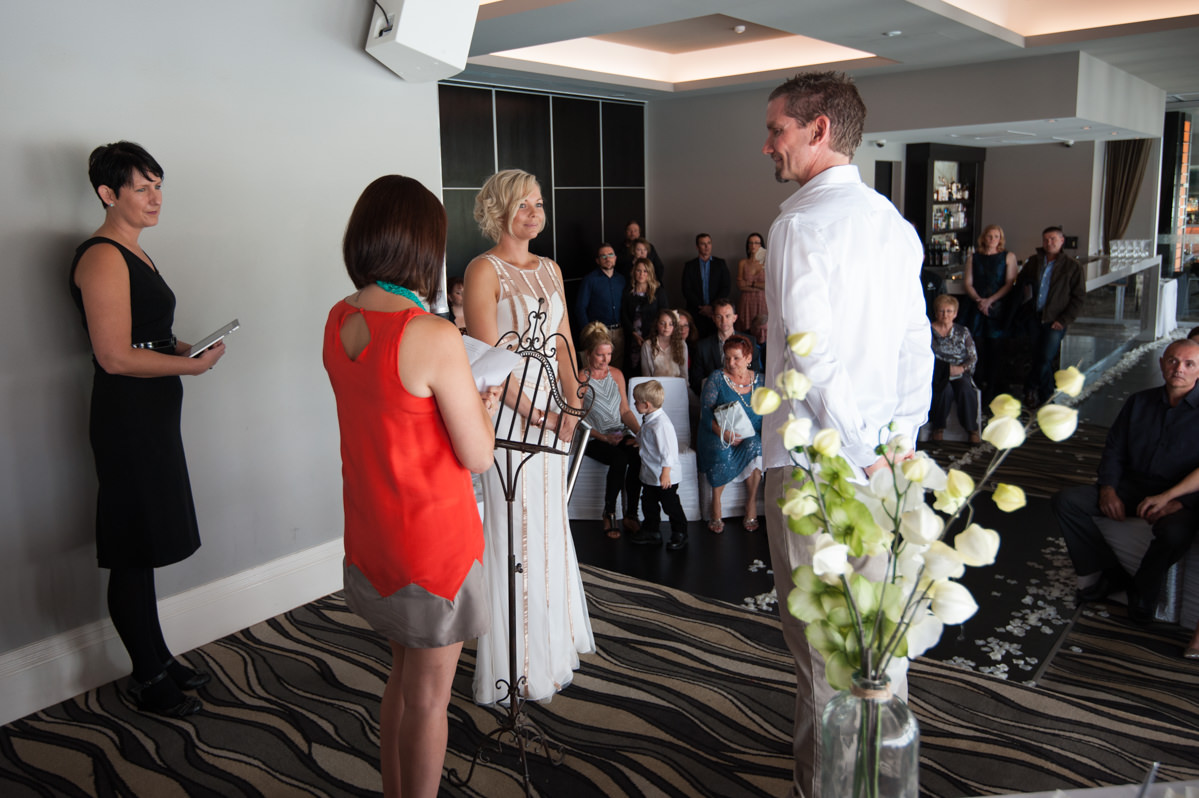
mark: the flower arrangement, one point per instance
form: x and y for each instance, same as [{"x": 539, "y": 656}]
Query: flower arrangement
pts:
[{"x": 859, "y": 625}]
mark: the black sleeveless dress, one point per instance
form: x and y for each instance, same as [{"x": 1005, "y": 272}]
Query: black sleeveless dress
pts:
[{"x": 145, "y": 516}]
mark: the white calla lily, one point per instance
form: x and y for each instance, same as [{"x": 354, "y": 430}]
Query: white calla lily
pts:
[
  {"x": 764, "y": 401},
  {"x": 793, "y": 384},
  {"x": 1004, "y": 432},
  {"x": 921, "y": 525},
  {"x": 801, "y": 344},
  {"x": 951, "y": 602},
  {"x": 796, "y": 432},
  {"x": 1008, "y": 498},
  {"x": 942, "y": 562},
  {"x": 1058, "y": 422},
  {"x": 827, "y": 442},
  {"x": 1069, "y": 381},
  {"x": 977, "y": 545}
]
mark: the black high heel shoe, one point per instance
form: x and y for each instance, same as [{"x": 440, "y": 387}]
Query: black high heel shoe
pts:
[
  {"x": 161, "y": 696},
  {"x": 186, "y": 678}
]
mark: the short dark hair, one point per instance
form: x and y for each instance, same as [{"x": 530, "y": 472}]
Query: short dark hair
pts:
[
  {"x": 602, "y": 245},
  {"x": 1194, "y": 332},
  {"x": 113, "y": 165},
  {"x": 1054, "y": 229},
  {"x": 831, "y": 94},
  {"x": 723, "y": 301},
  {"x": 739, "y": 342},
  {"x": 698, "y": 236},
  {"x": 396, "y": 233}
]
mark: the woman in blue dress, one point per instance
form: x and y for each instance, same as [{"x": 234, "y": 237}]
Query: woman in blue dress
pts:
[
  {"x": 989, "y": 276},
  {"x": 723, "y": 455}
]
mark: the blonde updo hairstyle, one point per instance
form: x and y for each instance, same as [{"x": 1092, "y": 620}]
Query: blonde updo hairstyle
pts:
[
  {"x": 594, "y": 335},
  {"x": 497, "y": 201}
]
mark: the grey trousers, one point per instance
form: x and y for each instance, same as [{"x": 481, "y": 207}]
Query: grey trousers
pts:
[{"x": 812, "y": 692}]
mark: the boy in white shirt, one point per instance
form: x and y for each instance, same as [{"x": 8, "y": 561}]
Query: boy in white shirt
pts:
[{"x": 659, "y": 468}]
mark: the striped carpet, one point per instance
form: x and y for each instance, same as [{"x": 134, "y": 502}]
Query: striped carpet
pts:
[{"x": 687, "y": 697}]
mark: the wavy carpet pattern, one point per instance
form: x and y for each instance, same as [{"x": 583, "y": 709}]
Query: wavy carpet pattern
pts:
[{"x": 687, "y": 697}]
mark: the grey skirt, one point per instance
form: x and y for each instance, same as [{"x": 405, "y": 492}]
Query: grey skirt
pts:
[{"x": 414, "y": 617}]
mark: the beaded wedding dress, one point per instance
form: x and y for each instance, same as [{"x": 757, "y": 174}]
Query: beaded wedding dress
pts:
[{"x": 552, "y": 626}]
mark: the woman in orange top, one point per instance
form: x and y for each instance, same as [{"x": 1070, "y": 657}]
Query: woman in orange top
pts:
[{"x": 413, "y": 428}]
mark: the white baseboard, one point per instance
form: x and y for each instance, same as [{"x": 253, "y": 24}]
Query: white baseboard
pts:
[{"x": 48, "y": 671}]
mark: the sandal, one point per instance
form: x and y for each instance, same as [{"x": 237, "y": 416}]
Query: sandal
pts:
[
  {"x": 750, "y": 524},
  {"x": 716, "y": 525},
  {"x": 610, "y": 527}
]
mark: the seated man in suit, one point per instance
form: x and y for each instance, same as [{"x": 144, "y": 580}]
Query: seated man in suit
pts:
[
  {"x": 704, "y": 279},
  {"x": 708, "y": 354},
  {"x": 1152, "y": 446}
]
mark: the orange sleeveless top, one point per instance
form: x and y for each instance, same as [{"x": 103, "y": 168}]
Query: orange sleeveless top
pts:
[{"x": 410, "y": 511}]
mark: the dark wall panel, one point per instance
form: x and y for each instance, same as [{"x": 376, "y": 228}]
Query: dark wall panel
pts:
[
  {"x": 578, "y": 230},
  {"x": 522, "y": 127},
  {"x": 464, "y": 241},
  {"x": 576, "y": 142},
  {"x": 624, "y": 144},
  {"x": 620, "y": 206},
  {"x": 467, "y": 152}
]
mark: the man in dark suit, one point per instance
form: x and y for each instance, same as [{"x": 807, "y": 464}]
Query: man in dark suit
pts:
[
  {"x": 708, "y": 354},
  {"x": 705, "y": 279}
]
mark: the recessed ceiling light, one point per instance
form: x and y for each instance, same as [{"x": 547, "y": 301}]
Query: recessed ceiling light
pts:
[
  {"x": 892, "y": 33},
  {"x": 738, "y": 29}
]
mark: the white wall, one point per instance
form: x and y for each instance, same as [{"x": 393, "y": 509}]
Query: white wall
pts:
[
  {"x": 1029, "y": 188},
  {"x": 269, "y": 119}
]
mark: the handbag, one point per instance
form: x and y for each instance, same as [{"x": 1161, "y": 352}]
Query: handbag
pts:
[{"x": 731, "y": 417}]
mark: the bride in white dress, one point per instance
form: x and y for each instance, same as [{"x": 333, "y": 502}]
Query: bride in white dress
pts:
[{"x": 503, "y": 286}]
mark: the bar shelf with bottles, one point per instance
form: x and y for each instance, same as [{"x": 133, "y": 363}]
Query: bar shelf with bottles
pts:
[{"x": 942, "y": 199}]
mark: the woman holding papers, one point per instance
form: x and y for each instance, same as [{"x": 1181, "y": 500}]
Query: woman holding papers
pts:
[
  {"x": 503, "y": 287},
  {"x": 413, "y": 428},
  {"x": 145, "y": 517}
]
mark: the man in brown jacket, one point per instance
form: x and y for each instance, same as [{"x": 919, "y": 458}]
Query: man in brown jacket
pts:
[{"x": 1053, "y": 283}]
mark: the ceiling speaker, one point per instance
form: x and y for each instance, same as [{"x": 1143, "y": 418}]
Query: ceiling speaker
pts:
[{"x": 422, "y": 40}]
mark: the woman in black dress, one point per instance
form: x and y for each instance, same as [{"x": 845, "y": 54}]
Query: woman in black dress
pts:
[{"x": 145, "y": 517}]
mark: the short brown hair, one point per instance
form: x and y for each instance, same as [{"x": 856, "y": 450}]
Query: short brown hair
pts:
[
  {"x": 396, "y": 233},
  {"x": 831, "y": 94},
  {"x": 498, "y": 199},
  {"x": 650, "y": 392},
  {"x": 740, "y": 343},
  {"x": 940, "y": 300}
]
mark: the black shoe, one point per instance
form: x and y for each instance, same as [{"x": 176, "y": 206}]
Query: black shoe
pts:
[
  {"x": 1140, "y": 606},
  {"x": 186, "y": 678},
  {"x": 1109, "y": 582},
  {"x": 161, "y": 696},
  {"x": 644, "y": 537},
  {"x": 677, "y": 542}
]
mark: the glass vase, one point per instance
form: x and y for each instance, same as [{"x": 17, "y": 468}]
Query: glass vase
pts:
[{"x": 870, "y": 744}]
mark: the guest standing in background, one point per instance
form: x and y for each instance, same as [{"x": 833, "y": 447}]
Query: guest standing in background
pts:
[
  {"x": 627, "y": 252},
  {"x": 413, "y": 541},
  {"x": 643, "y": 301},
  {"x": 953, "y": 348},
  {"x": 989, "y": 276},
  {"x": 705, "y": 279},
  {"x": 145, "y": 516},
  {"x": 664, "y": 354},
  {"x": 601, "y": 294},
  {"x": 503, "y": 287},
  {"x": 1053, "y": 286},
  {"x": 613, "y": 430},
  {"x": 751, "y": 281}
]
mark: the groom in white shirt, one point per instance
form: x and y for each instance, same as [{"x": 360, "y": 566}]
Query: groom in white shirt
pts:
[{"x": 844, "y": 265}]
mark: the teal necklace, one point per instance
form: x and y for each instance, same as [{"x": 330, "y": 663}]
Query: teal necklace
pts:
[{"x": 400, "y": 290}]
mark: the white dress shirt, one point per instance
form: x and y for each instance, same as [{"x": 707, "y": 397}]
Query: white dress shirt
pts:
[
  {"x": 845, "y": 265},
  {"x": 659, "y": 448}
]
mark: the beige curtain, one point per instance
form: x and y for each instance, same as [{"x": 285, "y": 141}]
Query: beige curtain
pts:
[{"x": 1126, "y": 162}]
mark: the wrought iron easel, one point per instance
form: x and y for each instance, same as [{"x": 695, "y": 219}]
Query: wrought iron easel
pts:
[{"x": 538, "y": 351}]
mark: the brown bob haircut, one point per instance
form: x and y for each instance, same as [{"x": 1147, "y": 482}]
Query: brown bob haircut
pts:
[{"x": 396, "y": 233}]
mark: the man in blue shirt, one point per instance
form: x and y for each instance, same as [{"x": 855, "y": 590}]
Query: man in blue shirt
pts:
[
  {"x": 600, "y": 295},
  {"x": 1152, "y": 446},
  {"x": 1054, "y": 285}
]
